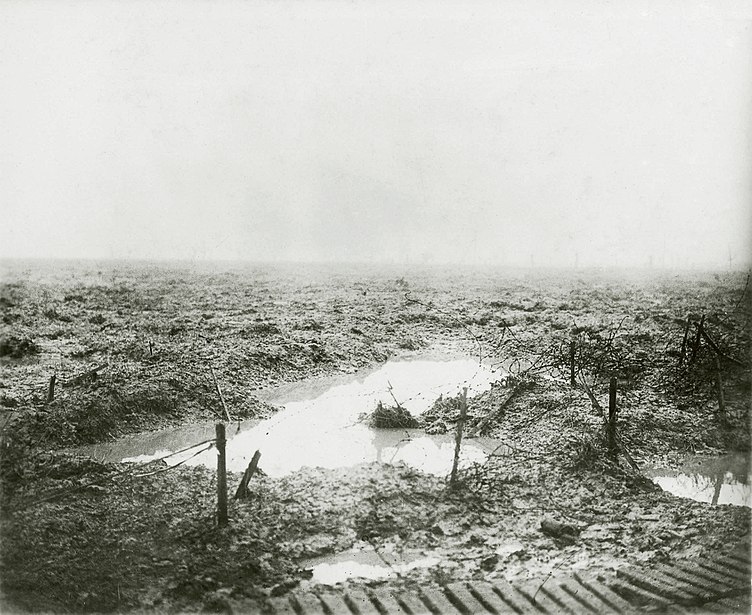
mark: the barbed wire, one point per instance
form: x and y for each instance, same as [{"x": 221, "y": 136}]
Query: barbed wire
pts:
[
  {"x": 453, "y": 317},
  {"x": 179, "y": 463},
  {"x": 69, "y": 489}
]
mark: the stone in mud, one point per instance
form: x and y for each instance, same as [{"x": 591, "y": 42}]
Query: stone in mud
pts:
[
  {"x": 476, "y": 539},
  {"x": 511, "y": 550},
  {"x": 217, "y": 602},
  {"x": 280, "y": 589},
  {"x": 556, "y": 529},
  {"x": 489, "y": 563}
]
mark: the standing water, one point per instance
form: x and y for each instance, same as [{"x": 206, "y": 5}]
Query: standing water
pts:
[
  {"x": 715, "y": 480},
  {"x": 321, "y": 423}
]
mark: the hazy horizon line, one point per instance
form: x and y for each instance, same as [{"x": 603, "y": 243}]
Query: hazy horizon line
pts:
[{"x": 693, "y": 267}]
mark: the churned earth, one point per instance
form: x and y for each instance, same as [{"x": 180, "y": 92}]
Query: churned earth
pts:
[{"x": 139, "y": 347}]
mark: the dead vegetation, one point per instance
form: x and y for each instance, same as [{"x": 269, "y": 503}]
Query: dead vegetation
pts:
[{"x": 390, "y": 417}]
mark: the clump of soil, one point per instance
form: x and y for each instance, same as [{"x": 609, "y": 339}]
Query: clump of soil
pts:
[
  {"x": 17, "y": 347},
  {"x": 435, "y": 420},
  {"x": 386, "y": 417},
  {"x": 443, "y": 409}
]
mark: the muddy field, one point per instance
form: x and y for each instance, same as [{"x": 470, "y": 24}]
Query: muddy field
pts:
[{"x": 137, "y": 347}]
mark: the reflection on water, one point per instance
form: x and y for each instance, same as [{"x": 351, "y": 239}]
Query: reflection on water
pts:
[
  {"x": 320, "y": 424},
  {"x": 715, "y": 480},
  {"x": 364, "y": 565}
]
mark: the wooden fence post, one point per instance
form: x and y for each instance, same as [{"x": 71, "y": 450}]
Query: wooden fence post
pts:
[
  {"x": 684, "y": 342},
  {"x": 572, "y": 352},
  {"x": 612, "y": 414},
  {"x": 698, "y": 336},
  {"x": 719, "y": 381},
  {"x": 458, "y": 439},
  {"x": 51, "y": 389},
  {"x": 221, "y": 397},
  {"x": 221, "y": 476}
]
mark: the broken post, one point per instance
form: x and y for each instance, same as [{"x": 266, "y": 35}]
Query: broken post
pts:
[
  {"x": 90, "y": 375},
  {"x": 491, "y": 416},
  {"x": 696, "y": 345},
  {"x": 221, "y": 476},
  {"x": 51, "y": 389},
  {"x": 458, "y": 439},
  {"x": 683, "y": 352},
  {"x": 572, "y": 351},
  {"x": 242, "y": 491},
  {"x": 714, "y": 346},
  {"x": 612, "y": 414}
]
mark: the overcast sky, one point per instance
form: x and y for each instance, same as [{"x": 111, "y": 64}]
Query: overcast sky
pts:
[{"x": 371, "y": 130}]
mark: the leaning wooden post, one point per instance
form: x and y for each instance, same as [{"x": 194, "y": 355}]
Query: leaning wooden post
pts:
[
  {"x": 458, "y": 439},
  {"x": 51, "y": 389},
  {"x": 572, "y": 352},
  {"x": 221, "y": 476},
  {"x": 612, "y": 414},
  {"x": 242, "y": 491}
]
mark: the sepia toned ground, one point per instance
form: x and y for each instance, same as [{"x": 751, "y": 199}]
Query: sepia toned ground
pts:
[{"x": 137, "y": 347}]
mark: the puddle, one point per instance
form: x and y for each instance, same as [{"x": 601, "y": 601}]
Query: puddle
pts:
[
  {"x": 354, "y": 564},
  {"x": 320, "y": 427},
  {"x": 362, "y": 562},
  {"x": 715, "y": 480}
]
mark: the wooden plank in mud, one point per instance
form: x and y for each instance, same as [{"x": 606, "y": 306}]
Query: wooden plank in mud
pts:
[
  {"x": 438, "y": 602},
  {"x": 656, "y": 582},
  {"x": 720, "y": 567},
  {"x": 706, "y": 589},
  {"x": 367, "y": 604},
  {"x": 539, "y": 599},
  {"x": 281, "y": 606},
  {"x": 509, "y": 594},
  {"x": 335, "y": 604},
  {"x": 713, "y": 575},
  {"x": 640, "y": 595},
  {"x": 604, "y": 592},
  {"x": 360, "y": 602},
  {"x": 413, "y": 603},
  {"x": 557, "y": 594},
  {"x": 491, "y": 599},
  {"x": 309, "y": 604},
  {"x": 737, "y": 562},
  {"x": 463, "y": 597},
  {"x": 587, "y": 597}
]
